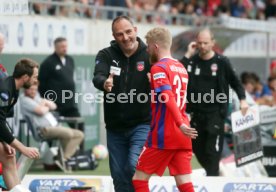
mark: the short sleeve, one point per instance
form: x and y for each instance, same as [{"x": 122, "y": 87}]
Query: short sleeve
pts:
[
  {"x": 159, "y": 78},
  {"x": 28, "y": 104}
]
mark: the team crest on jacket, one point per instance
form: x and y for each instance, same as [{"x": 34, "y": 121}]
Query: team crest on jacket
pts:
[
  {"x": 140, "y": 65},
  {"x": 214, "y": 67}
]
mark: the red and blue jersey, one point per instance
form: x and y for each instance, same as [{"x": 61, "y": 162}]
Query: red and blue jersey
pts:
[{"x": 169, "y": 81}]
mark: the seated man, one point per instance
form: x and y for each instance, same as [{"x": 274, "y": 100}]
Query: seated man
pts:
[{"x": 38, "y": 110}]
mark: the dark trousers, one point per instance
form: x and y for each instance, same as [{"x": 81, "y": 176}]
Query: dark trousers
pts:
[
  {"x": 124, "y": 149},
  {"x": 209, "y": 143}
]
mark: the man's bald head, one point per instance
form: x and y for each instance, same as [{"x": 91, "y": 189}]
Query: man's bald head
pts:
[
  {"x": 206, "y": 33},
  {"x": 205, "y": 43},
  {"x": 2, "y": 42}
]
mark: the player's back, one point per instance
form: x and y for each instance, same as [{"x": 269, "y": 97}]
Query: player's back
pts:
[
  {"x": 168, "y": 75},
  {"x": 178, "y": 77}
]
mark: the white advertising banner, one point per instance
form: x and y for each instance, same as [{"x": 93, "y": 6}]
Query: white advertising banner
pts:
[
  {"x": 267, "y": 114},
  {"x": 35, "y": 35},
  {"x": 248, "y": 24},
  {"x": 14, "y": 7},
  {"x": 252, "y": 45},
  {"x": 42, "y": 183}
]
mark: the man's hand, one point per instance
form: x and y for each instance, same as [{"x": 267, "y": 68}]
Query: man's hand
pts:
[
  {"x": 43, "y": 102},
  {"x": 190, "y": 132},
  {"x": 148, "y": 75},
  {"x": 191, "y": 49},
  {"x": 31, "y": 152},
  {"x": 10, "y": 151},
  {"x": 108, "y": 84},
  {"x": 244, "y": 106}
]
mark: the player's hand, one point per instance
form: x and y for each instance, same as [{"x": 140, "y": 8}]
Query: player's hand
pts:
[
  {"x": 191, "y": 49},
  {"x": 244, "y": 106},
  {"x": 10, "y": 151},
  {"x": 190, "y": 132},
  {"x": 108, "y": 84},
  {"x": 227, "y": 128},
  {"x": 31, "y": 152},
  {"x": 148, "y": 75}
]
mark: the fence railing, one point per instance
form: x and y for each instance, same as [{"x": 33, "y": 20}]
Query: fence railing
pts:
[{"x": 79, "y": 10}]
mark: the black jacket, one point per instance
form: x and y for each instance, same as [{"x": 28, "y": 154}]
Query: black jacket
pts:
[
  {"x": 226, "y": 77},
  {"x": 53, "y": 75},
  {"x": 8, "y": 98},
  {"x": 133, "y": 76},
  {"x": 3, "y": 74}
]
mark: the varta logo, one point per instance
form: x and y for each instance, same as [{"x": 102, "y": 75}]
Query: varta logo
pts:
[
  {"x": 59, "y": 182},
  {"x": 249, "y": 187}
]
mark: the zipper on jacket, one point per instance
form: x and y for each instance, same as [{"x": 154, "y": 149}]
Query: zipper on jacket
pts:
[{"x": 126, "y": 76}]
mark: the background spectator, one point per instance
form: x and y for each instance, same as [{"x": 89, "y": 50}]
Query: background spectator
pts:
[
  {"x": 39, "y": 111},
  {"x": 57, "y": 74}
]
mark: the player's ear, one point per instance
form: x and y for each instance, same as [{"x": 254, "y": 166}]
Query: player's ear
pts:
[
  {"x": 135, "y": 29},
  {"x": 214, "y": 42},
  {"x": 26, "y": 77}
]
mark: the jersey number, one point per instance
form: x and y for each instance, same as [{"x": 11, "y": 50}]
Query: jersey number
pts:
[{"x": 180, "y": 82}]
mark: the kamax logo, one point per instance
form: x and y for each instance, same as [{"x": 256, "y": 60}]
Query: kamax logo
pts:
[{"x": 249, "y": 187}]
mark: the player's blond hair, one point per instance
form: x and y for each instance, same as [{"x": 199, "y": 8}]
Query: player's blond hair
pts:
[{"x": 160, "y": 36}]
